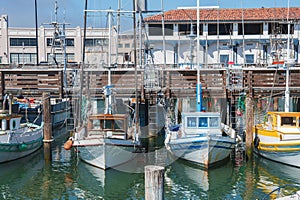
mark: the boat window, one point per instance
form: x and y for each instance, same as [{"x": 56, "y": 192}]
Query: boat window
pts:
[
  {"x": 214, "y": 122},
  {"x": 203, "y": 121},
  {"x": 288, "y": 121},
  {"x": 191, "y": 122}
]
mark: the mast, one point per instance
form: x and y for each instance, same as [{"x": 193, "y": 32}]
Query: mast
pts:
[
  {"x": 108, "y": 88},
  {"x": 135, "y": 70},
  {"x": 36, "y": 33},
  {"x": 199, "y": 86},
  {"x": 163, "y": 33},
  {"x": 287, "y": 90}
]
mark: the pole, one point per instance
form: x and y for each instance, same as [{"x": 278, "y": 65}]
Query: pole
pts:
[
  {"x": 287, "y": 90},
  {"x": 135, "y": 71},
  {"x": 154, "y": 182},
  {"x": 82, "y": 67},
  {"x": 163, "y": 33},
  {"x": 47, "y": 126},
  {"x": 36, "y": 33},
  {"x": 249, "y": 125},
  {"x": 199, "y": 86}
]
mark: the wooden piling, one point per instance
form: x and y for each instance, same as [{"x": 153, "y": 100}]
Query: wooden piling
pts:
[
  {"x": 47, "y": 126},
  {"x": 249, "y": 126},
  {"x": 154, "y": 182}
]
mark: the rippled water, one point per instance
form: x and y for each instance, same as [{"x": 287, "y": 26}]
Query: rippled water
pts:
[{"x": 66, "y": 177}]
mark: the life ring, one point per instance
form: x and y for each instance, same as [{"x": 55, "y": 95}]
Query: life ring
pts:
[{"x": 256, "y": 141}]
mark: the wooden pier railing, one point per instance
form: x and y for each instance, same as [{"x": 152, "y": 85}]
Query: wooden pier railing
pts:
[{"x": 173, "y": 83}]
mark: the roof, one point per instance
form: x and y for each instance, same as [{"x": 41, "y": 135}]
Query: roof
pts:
[{"x": 250, "y": 14}]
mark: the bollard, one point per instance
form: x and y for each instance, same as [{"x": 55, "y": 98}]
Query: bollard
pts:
[
  {"x": 154, "y": 182},
  {"x": 47, "y": 126}
]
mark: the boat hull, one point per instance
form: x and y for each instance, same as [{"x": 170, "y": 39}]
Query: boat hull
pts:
[
  {"x": 205, "y": 151},
  {"x": 291, "y": 158},
  {"x": 105, "y": 153},
  {"x": 270, "y": 147},
  {"x": 22, "y": 146}
]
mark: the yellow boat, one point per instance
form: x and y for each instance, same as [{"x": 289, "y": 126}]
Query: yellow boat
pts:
[{"x": 278, "y": 138}]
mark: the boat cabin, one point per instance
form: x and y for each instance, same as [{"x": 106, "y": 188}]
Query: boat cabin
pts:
[
  {"x": 284, "y": 119},
  {"x": 201, "y": 122},
  {"x": 9, "y": 121},
  {"x": 108, "y": 125}
]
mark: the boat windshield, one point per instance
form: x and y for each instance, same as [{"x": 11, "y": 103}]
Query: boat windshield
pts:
[{"x": 203, "y": 122}]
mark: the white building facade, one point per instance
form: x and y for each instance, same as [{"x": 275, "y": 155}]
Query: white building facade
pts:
[
  {"x": 18, "y": 45},
  {"x": 227, "y": 36}
]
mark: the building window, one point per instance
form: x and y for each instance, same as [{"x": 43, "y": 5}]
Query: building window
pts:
[
  {"x": 92, "y": 42},
  {"x": 250, "y": 29},
  {"x": 224, "y": 59},
  {"x": 22, "y": 42},
  {"x": 120, "y": 45},
  {"x": 60, "y": 58},
  {"x": 276, "y": 28},
  {"x": 127, "y": 45},
  {"x": 224, "y": 29},
  {"x": 23, "y": 58},
  {"x": 69, "y": 42},
  {"x": 185, "y": 29},
  {"x": 156, "y": 29},
  {"x": 249, "y": 58}
]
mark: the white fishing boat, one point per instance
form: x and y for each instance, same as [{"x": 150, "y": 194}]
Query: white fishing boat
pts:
[
  {"x": 18, "y": 140},
  {"x": 200, "y": 137},
  {"x": 106, "y": 140}
]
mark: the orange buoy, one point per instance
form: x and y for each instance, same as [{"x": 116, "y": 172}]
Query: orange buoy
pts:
[{"x": 68, "y": 144}]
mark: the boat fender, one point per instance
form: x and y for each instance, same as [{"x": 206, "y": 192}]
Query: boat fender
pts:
[
  {"x": 256, "y": 141},
  {"x": 68, "y": 144}
]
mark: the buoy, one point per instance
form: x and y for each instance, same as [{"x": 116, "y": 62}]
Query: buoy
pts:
[{"x": 68, "y": 144}]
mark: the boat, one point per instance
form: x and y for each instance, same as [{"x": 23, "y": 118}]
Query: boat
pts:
[
  {"x": 200, "y": 138},
  {"x": 278, "y": 137},
  {"x": 109, "y": 139},
  {"x": 32, "y": 110},
  {"x": 18, "y": 139}
]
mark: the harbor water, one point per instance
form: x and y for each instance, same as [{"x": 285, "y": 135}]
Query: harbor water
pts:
[{"x": 67, "y": 177}]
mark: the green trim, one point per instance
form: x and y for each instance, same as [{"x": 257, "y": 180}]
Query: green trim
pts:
[{"x": 20, "y": 147}]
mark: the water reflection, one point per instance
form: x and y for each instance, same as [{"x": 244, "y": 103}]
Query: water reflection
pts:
[
  {"x": 66, "y": 177},
  {"x": 192, "y": 182},
  {"x": 272, "y": 175}
]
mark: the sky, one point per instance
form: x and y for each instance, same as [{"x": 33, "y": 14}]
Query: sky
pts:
[{"x": 21, "y": 13}]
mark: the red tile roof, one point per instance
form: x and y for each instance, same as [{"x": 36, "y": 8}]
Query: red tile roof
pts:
[{"x": 250, "y": 14}]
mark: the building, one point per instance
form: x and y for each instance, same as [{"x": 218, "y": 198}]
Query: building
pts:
[
  {"x": 253, "y": 36},
  {"x": 18, "y": 45}
]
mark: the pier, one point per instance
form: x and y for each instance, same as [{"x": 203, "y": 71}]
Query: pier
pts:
[{"x": 219, "y": 83}]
